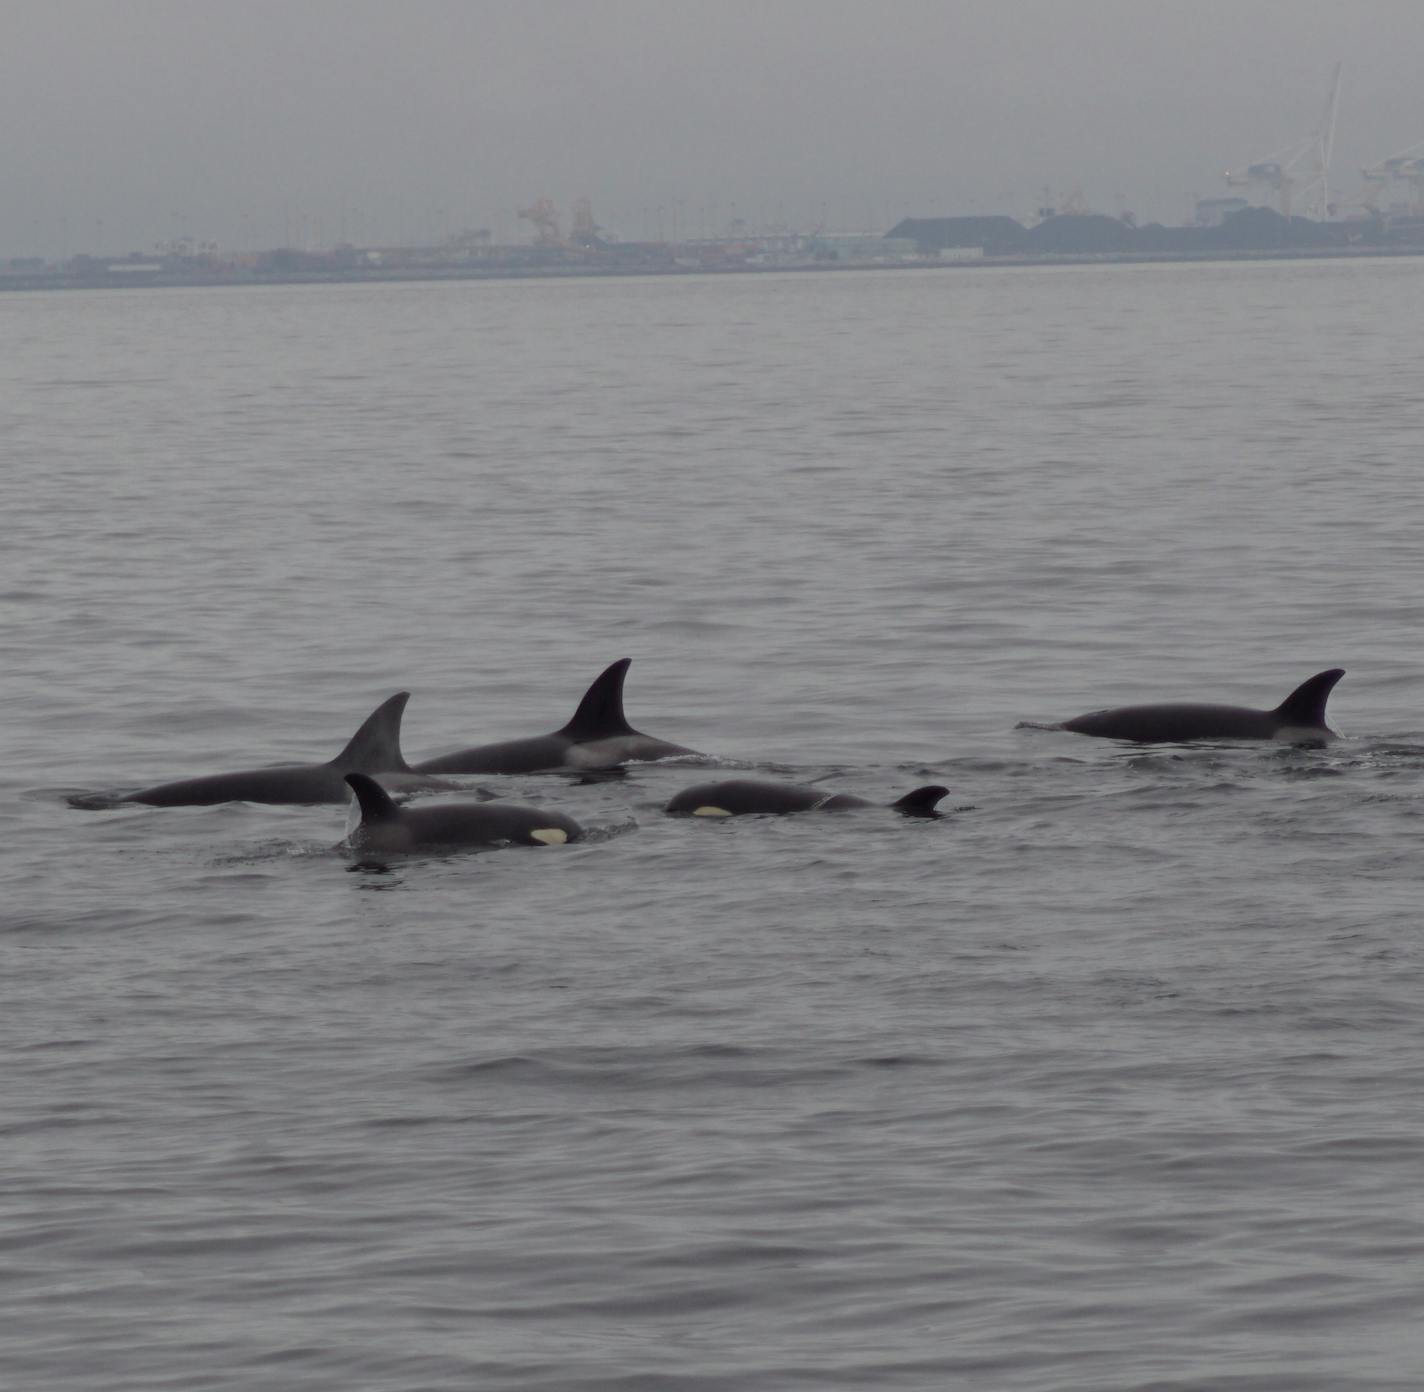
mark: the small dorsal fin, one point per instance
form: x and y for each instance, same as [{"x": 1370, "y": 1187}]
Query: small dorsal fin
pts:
[
  {"x": 600, "y": 713},
  {"x": 1304, "y": 708},
  {"x": 376, "y": 804},
  {"x": 375, "y": 747},
  {"x": 921, "y": 802}
]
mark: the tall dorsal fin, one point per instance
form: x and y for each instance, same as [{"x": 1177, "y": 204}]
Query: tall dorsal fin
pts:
[
  {"x": 600, "y": 713},
  {"x": 921, "y": 802},
  {"x": 376, "y": 804},
  {"x": 1304, "y": 708},
  {"x": 375, "y": 747}
]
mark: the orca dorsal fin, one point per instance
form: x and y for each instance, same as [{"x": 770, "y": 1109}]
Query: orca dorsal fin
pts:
[
  {"x": 376, "y": 803},
  {"x": 1304, "y": 708},
  {"x": 375, "y": 747},
  {"x": 600, "y": 713},
  {"x": 921, "y": 802}
]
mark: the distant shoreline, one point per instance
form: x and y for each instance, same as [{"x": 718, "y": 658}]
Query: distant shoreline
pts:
[{"x": 375, "y": 275}]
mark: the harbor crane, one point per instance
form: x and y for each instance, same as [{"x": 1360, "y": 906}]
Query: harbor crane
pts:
[
  {"x": 584, "y": 230},
  {"x": 1298, "y": 176},
  {"x": 546, "y": 221},
  {"x": 1407, "y": 168}
]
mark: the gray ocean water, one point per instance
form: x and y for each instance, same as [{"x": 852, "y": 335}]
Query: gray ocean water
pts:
[{"x": 1108, "y": 1080}]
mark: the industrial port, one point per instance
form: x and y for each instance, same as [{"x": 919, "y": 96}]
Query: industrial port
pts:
[{"x": 1282, "y": 204}]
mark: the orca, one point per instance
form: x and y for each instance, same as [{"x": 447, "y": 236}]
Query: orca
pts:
[
  {"x": 373, "y": 749},
  {"x": 386, "y": 829},
  {"x": 598, "y": 737},
  {"x": 1299, "y": 719},
  {"x": 738, "y": 797}
]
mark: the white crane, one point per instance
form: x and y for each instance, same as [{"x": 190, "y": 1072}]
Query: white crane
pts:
[
  {"x": 1407, "y": 168},
  {"x": 1299, "y": 174}
]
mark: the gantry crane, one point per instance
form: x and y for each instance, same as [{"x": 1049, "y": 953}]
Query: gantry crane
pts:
[
  {"x": 1298, "y": 176},
  {"x": 546, "y": 221},
  {"x": 1405, "y": 168}
]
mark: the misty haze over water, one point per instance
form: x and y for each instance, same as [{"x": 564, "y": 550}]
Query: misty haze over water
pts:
[{"x": 270, "y": 124}]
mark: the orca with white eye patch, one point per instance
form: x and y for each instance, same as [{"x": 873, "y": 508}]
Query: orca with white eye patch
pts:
[
  {"x": 386, "y": 829},
  {"x": 740, "y": 797}
]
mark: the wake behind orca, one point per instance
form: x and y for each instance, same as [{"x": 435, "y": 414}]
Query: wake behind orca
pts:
[
  {"x": 1299, "y": 719},
  {"x": 373, "y": 749},
  {"x": 598, "y": 737},
  {"x": 738, "y": 797},
  {"x": 386, "y": 829}
]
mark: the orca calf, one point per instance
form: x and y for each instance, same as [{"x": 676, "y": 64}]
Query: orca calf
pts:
[
  {"x": 738, "y": 797},
  {"x": 598, "y": 737},
  {"x": 1299, "y": 719},
  {"x": 373, "y": 749},
  {"x": 390, "y": 830}
]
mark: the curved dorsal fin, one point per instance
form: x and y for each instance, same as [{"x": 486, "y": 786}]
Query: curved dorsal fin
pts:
[
  {"x": 376, "y": 804},
  {"x": 600, "y": 713},
  {"x": 375, "y": 747},
  {"x": 1305, "y": 706},
  {"x": 921, "y": 802}
]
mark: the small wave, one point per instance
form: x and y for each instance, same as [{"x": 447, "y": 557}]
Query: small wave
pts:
[
  {"x": 631, "y": 1068},
  {"x": 265, "y": 851},
  {"x": 96, "y": 802},
  {"x": 610, "y": 832}
]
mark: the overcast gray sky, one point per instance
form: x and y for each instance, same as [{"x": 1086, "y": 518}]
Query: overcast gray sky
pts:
[{"x": 259, "y": 122}]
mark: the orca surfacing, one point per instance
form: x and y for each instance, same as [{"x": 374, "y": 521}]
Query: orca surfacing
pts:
[
  {"x": 739, "y": 797},
  {"x": 1299, "y": 719},
  {"x": 598, "y": 737},
  {"x": 373, "y": 749},
  {"x": 386, "y": 829}
]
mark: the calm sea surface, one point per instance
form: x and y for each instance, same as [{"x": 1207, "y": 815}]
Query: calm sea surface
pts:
[{"x": 1110, "y": 1080}]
